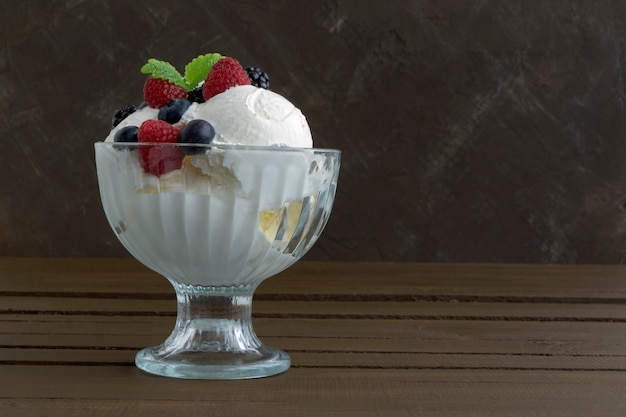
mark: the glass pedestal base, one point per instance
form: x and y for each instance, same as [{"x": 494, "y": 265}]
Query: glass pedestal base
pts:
[
  {"x": 260, "y": 363},
  {"x": 213, "y": 338}
]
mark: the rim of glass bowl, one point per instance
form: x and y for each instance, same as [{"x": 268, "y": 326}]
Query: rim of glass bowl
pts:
[{"x": 271, "y": 148}]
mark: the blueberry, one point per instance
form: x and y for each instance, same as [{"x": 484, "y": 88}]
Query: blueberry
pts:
[
  {"x": 126, "y": 134},
  {"x": 173, "y": 111},
  {"x": 197, "y": 131}
]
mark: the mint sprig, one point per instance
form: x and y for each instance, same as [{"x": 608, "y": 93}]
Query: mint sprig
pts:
[
  {"x": 196, "y": 70},
  {"x": 164, "y": 70}
]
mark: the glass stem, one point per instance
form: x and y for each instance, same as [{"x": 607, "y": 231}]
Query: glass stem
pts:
[{"x": 216, "y": 319}]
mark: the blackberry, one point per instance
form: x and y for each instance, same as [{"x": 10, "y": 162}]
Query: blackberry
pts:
[
  {"x": 258, "y": 78},
  {"x": 195, "y": 95},
  {"x": 123, "y": 113}
]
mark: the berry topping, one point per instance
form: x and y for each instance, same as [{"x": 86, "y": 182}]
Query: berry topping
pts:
[
  {"x": 159, "y": 160},
  {"x": 195, "y": 95},
  {"x": 197, "y": 131},
  {"x": 157, "y": 92},
  {"x": 195, "y": 71},
  {"x": 172, "y": 112},
  {"x": 165, "y": 83},
  {"x": 126, "y": 134},
  {"x": 258, "y": 78},
  {"x": 123, "y": 113},
  {"x": 226, "y": 73}
]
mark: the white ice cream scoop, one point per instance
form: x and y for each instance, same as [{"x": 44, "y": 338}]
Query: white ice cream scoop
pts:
[{"x": 247, "y": 115}]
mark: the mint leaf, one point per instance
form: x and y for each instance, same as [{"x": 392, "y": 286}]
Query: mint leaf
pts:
[
  {"x": 164, "y": 70},
  {"x": 197, "y": 70}
]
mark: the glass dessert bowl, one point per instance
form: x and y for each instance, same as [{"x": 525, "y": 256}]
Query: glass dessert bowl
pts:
[{"x": 216, "y": 224}]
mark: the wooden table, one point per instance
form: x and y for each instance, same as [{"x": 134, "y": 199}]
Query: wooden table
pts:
[{"x": 366, "y": 339}]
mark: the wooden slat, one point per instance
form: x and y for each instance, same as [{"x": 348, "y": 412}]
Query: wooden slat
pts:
[
  {"x": 461, "y": 336},
  {"x": 349, "y": 360},
  {"x": 304, "y": 309},
  {"x": 312, "y": 392},
  {"x": 335, "y": 279},
  {"x": 339, "y": 359},
  {"x": 549, "y": 348}
]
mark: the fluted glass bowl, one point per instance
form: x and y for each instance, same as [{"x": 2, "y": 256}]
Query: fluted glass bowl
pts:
[{"x": 215, "y": 221}]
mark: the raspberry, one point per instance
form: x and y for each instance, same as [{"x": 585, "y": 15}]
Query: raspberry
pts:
[
  {"x": 157, "y": 92},
  {"x": 225, "y": 73},
  {"x": 159, "y": 160}
]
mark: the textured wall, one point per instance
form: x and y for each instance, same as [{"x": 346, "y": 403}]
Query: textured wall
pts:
[{"x": 488, "y": 131}]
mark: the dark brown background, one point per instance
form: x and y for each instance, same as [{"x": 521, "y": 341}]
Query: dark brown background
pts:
[{"x": 486, "y": 131}]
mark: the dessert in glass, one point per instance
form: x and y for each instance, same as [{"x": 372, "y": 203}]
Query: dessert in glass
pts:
[{"x": 216, "y": 192}]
